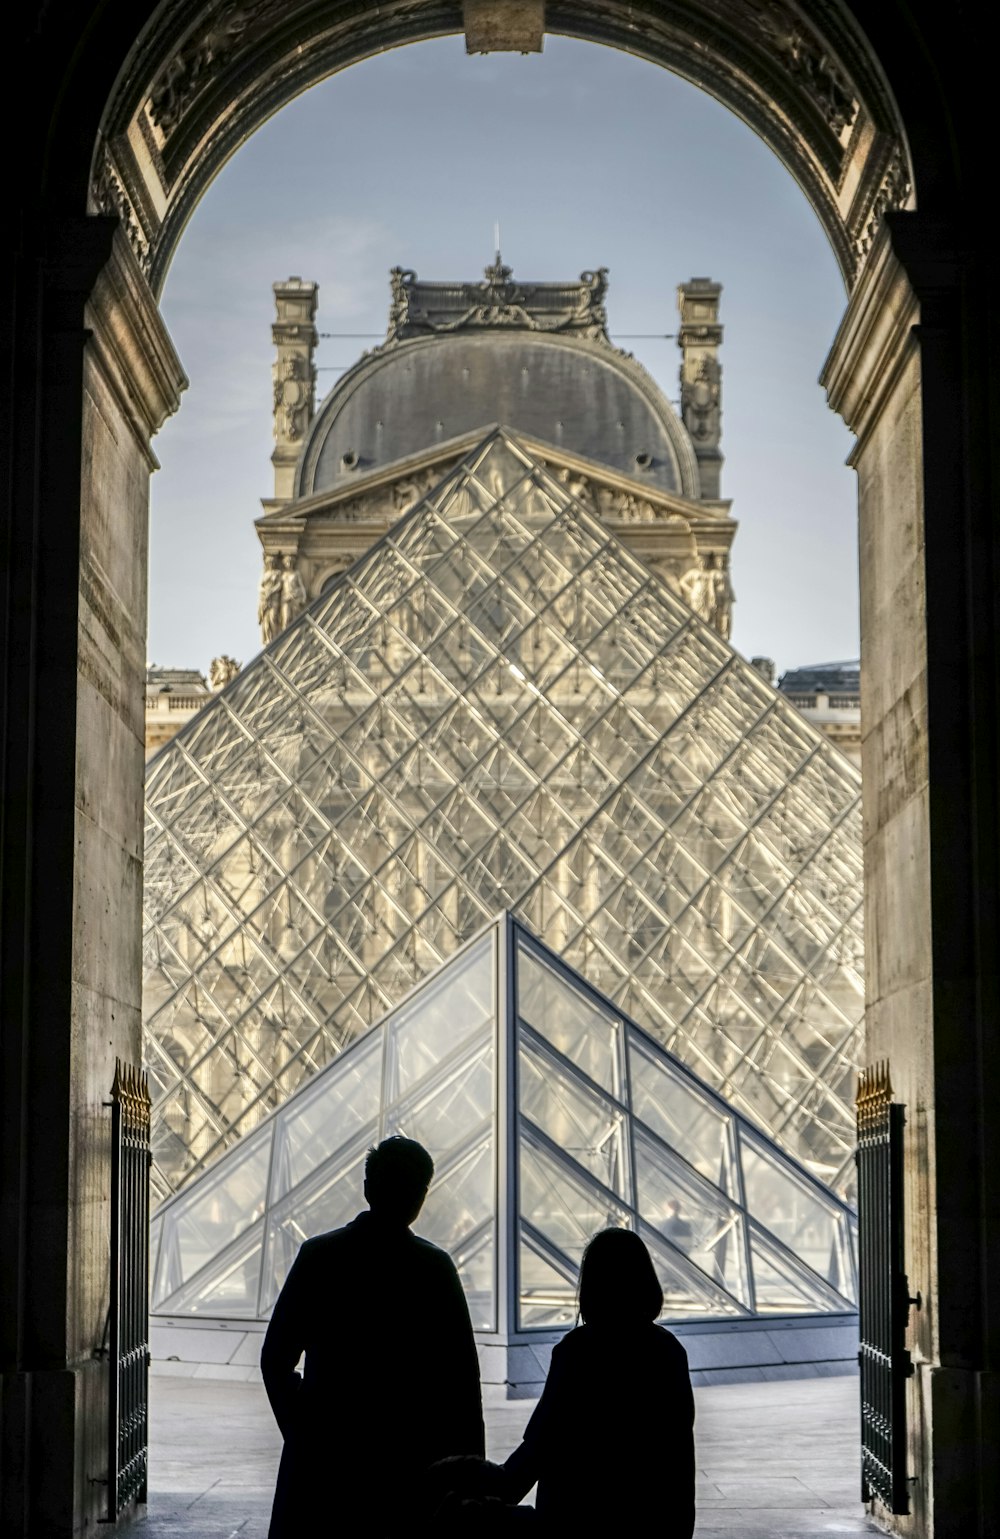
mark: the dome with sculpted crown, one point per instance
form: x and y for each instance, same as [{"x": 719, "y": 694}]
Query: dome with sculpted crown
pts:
[{"x": 534, "y": 357}]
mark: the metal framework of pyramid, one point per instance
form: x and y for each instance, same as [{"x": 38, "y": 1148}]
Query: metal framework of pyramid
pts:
[
  {"x": 550, "y": 1116},
  {"x": 500, "y": 707}
]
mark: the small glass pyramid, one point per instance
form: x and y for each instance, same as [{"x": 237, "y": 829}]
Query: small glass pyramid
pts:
[
  {"x": 500, "y": 707},
  {"x": 550, "y": 1115}
]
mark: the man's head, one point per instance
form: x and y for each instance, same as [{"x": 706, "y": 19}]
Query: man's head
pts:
[{"x": 397, "y": 1174}]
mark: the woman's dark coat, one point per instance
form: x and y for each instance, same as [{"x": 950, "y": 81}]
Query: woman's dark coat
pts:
[
  {"x": 611, "y": 1442},
  {"x": 391, "y": 1380}
]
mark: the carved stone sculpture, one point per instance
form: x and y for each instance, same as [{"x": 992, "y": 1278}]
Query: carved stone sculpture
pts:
[
  {"x": 400, "y": 282},
  {"x": 700, "y": 403},
  {"x": 698, "y": 591},
  {"x": 292, "y": 393},
  {"x": 722, "y": 601},
  {"x": 293, "y": 593},
  {"x": 222, "y": 671},
  {"x": 421, "y": 309},
  {"x": 578, "y": 486},
  {"x": 407, "y": 492},
  {"x": 269, "y": 599}
]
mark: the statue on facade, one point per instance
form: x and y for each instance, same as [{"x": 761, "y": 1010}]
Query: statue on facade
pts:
[
  {"x": 269, "y": 599},
  {"x": 722, "y": 601},
  {"x": 222, "y": 671},
  {"x": 700, "y": 403},
  {"x": 401, "y": 280},
  {"x": 293, "y": 593},
  {"x": 698, "y": 591},
  {"x": 576, "y": 485}
]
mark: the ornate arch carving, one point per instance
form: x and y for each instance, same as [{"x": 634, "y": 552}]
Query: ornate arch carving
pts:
[{"x": 206, "y": 73}]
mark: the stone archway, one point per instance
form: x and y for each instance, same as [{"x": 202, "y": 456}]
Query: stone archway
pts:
[
  {"x": 136, "y": 109},
  {"x": 205, "y": 75}
]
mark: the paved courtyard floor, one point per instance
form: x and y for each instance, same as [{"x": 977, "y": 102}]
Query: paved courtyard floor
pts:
[{"x": 775, "y": 1460}]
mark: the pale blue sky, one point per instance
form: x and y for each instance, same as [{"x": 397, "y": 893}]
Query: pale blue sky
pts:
[{"x": 588, "y": 158}]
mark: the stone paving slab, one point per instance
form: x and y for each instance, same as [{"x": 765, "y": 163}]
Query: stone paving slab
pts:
[{"x": 776, "y": 1460}]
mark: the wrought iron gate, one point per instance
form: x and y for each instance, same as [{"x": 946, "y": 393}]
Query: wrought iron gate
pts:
[
  {"x": 884, "y": 1302},
  {"x": 128, "y": 1434}
]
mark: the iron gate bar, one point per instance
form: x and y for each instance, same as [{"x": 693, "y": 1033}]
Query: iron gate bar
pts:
[
  {"x": 884, "y": 1302},
  {"x": 128, "y": 1393}
]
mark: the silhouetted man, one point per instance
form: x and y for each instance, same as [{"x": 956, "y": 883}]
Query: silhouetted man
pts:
[{"x": 391, "y": 1379}]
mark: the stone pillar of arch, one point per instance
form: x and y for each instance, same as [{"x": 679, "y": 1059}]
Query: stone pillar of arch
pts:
[
  {"x": 904, "y": 377},
  {"x": 72, "y": 854}
]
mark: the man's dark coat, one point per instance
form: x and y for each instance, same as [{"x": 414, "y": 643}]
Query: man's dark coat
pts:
[{"x": 391, "y": 1378}]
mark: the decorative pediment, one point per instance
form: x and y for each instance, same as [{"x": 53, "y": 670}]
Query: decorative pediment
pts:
[{"x": 429, "y": 309}]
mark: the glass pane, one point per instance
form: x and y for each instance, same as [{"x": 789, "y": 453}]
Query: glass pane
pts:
[
  {"x": 586, "y": 1035},
  {"x": 564, "y": 1209},
  {"x": 333, "y": 1197},
  {"x": 590, "y": 1130},
  {"x": 782, "y": 1286},
  {"x": 690, "y": 1123},
  {"x": 459, "y": 1216},
  {"x": 229, "y": 1287},
  {"x": 443, "y": 1015},
  {"x": 197, "y": 1227},
  {"x": 474, "y": 1260},
  {"x": 692, "y": 1218},
  {"x": 687, "y": 1293},
  {"x": 547, "y": 1289},
  {"x": 453, "y": 1106},
  {"x": 328, "y": 1115},
  {"x": 793, "y": 1210}
]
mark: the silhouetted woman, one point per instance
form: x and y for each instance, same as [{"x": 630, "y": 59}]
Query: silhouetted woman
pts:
[{"x": 611, "y": 1442}]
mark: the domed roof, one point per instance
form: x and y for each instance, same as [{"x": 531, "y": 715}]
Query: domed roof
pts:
[{"x": 534, "y": 358}]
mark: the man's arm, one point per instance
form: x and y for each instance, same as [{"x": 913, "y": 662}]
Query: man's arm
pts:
[
  {"x": 283, "y": 1346},
  {"x": 463, "y": 1393}
]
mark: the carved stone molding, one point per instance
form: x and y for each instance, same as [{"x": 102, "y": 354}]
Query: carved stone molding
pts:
[
  {"x": 700, "y": 403},
  {"x": 437, "y": 309},
  {"x": 892, "y": 193},
  {"x": 110, "y": 197},
  {"x": 800, "y": 72},
  {"x": 800, "y": 52},
  {"x": 675, "y": 536},
  {"x": 873, "y": 342},
  {"x": 511, "y": 26},
  {"x": 131, "y": 345},
  {"x": 292, "y": 395},
  {"x": 201, "y": 58}
]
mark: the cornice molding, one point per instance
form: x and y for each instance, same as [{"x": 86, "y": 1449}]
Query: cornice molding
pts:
[
  {"x": 132, "y": 346},
  {"x": 875, "y": 339},
  {"x": 704, "y": 515}
]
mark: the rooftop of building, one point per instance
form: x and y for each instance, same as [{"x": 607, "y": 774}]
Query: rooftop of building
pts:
[
  {"x": 533, "y": 356},
  {"x": 168, "y": 680},
  {"x": 843, "y": 678}
]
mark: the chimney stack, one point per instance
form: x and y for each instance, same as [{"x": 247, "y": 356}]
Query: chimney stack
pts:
[
  {"x": 699, "y": 339},
  {"x": 294, "y": 375}
]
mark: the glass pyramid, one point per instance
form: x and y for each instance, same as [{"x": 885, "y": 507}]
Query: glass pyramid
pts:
[
  {"x": 499, "y": 706},
  {"x": 549, "y": 1115}
]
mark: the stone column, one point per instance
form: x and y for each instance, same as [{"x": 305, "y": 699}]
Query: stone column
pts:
[
  {"x": 699, "y": 339},
  {"x": 294, "y": 375},
  {"x": 902, "y": 374},
  {"x": 95, "y": 354}
]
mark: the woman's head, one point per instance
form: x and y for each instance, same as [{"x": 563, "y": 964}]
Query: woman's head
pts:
[{"x": 618, "y": 1285}]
